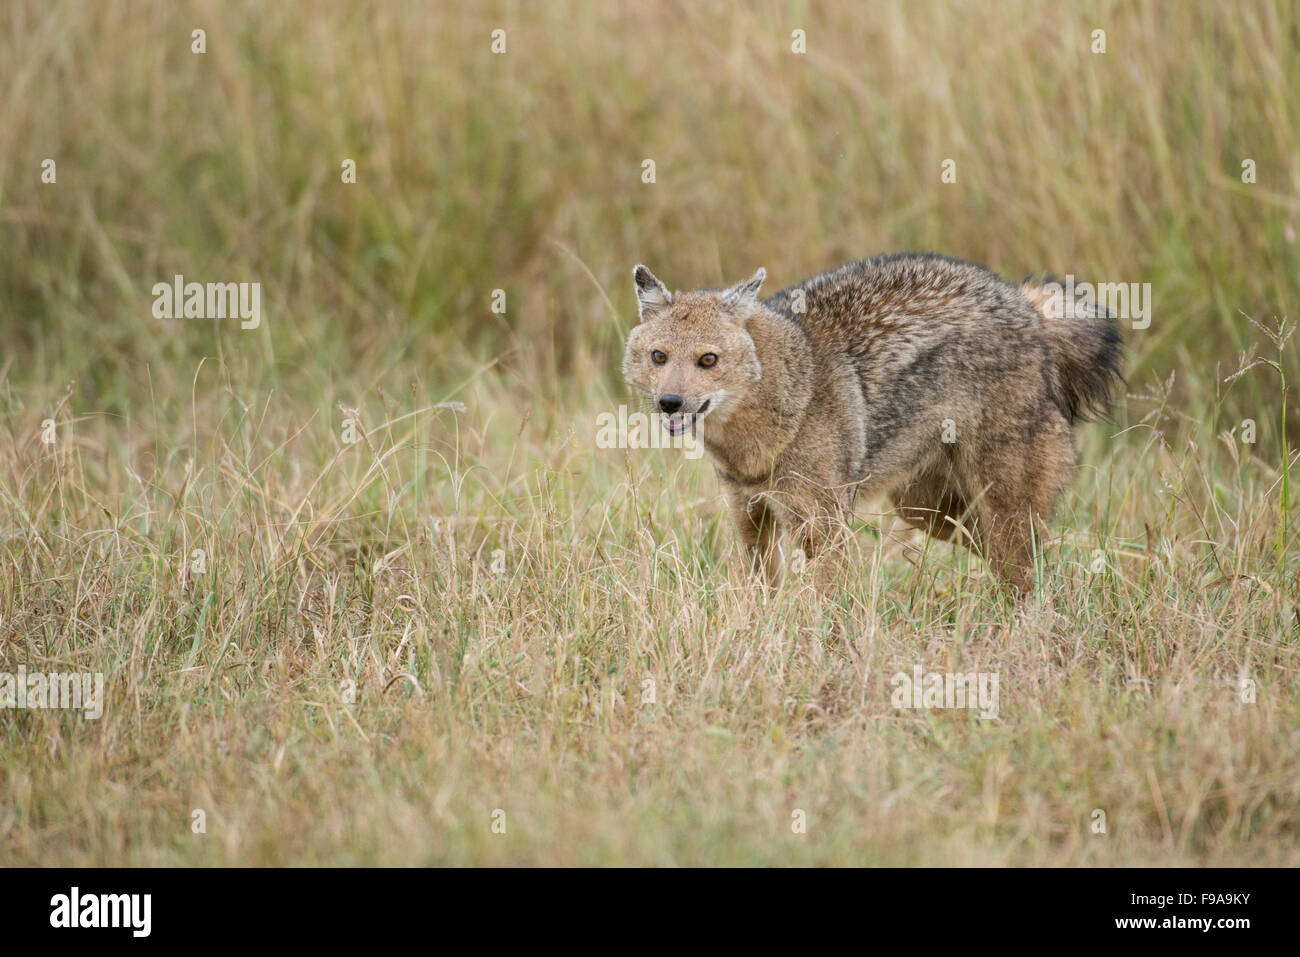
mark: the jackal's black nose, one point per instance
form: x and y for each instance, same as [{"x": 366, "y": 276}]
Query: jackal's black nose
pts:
[{"x": 670, "y": 403}]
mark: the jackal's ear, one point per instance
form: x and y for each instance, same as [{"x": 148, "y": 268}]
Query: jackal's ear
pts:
[
  {"x": 651, "y": 294},
  {"x": 745, "y": 290}
]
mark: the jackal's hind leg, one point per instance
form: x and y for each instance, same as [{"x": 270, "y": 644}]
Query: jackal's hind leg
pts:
[{"x": 1013, "y": 494}]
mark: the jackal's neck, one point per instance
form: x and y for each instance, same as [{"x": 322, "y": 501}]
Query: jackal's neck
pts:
[{"x": 762, "y": 424}]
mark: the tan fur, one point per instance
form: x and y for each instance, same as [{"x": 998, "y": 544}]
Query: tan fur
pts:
[{"x": 852, "y": 380}]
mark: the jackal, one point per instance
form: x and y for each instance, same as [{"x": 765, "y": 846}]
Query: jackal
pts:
[{"x": 926, "y": 378}]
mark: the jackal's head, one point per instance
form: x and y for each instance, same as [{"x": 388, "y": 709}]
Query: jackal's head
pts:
[{"x": 690, "y": 354}]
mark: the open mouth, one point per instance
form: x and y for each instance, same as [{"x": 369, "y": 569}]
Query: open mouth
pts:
[{"x": 679, "y": 422}]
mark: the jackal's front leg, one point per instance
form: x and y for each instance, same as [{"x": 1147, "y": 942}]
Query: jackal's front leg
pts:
[
  {"x": 759, "y": 533},
  {"x": 823, "y": 538}
]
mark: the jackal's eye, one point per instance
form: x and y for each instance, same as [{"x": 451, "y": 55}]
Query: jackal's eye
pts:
[
  {"x": 657, "y": 357},
  {"x": 708, "y": 360}
]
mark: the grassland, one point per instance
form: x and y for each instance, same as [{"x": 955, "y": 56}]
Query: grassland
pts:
[{"x": 385, "y": 642}]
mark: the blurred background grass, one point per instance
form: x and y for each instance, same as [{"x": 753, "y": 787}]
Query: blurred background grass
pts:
[{"x": 522, "y": 172}]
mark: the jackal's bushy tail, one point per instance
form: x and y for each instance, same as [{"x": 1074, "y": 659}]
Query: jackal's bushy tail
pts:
[{"x": 1087, "y": 347}]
